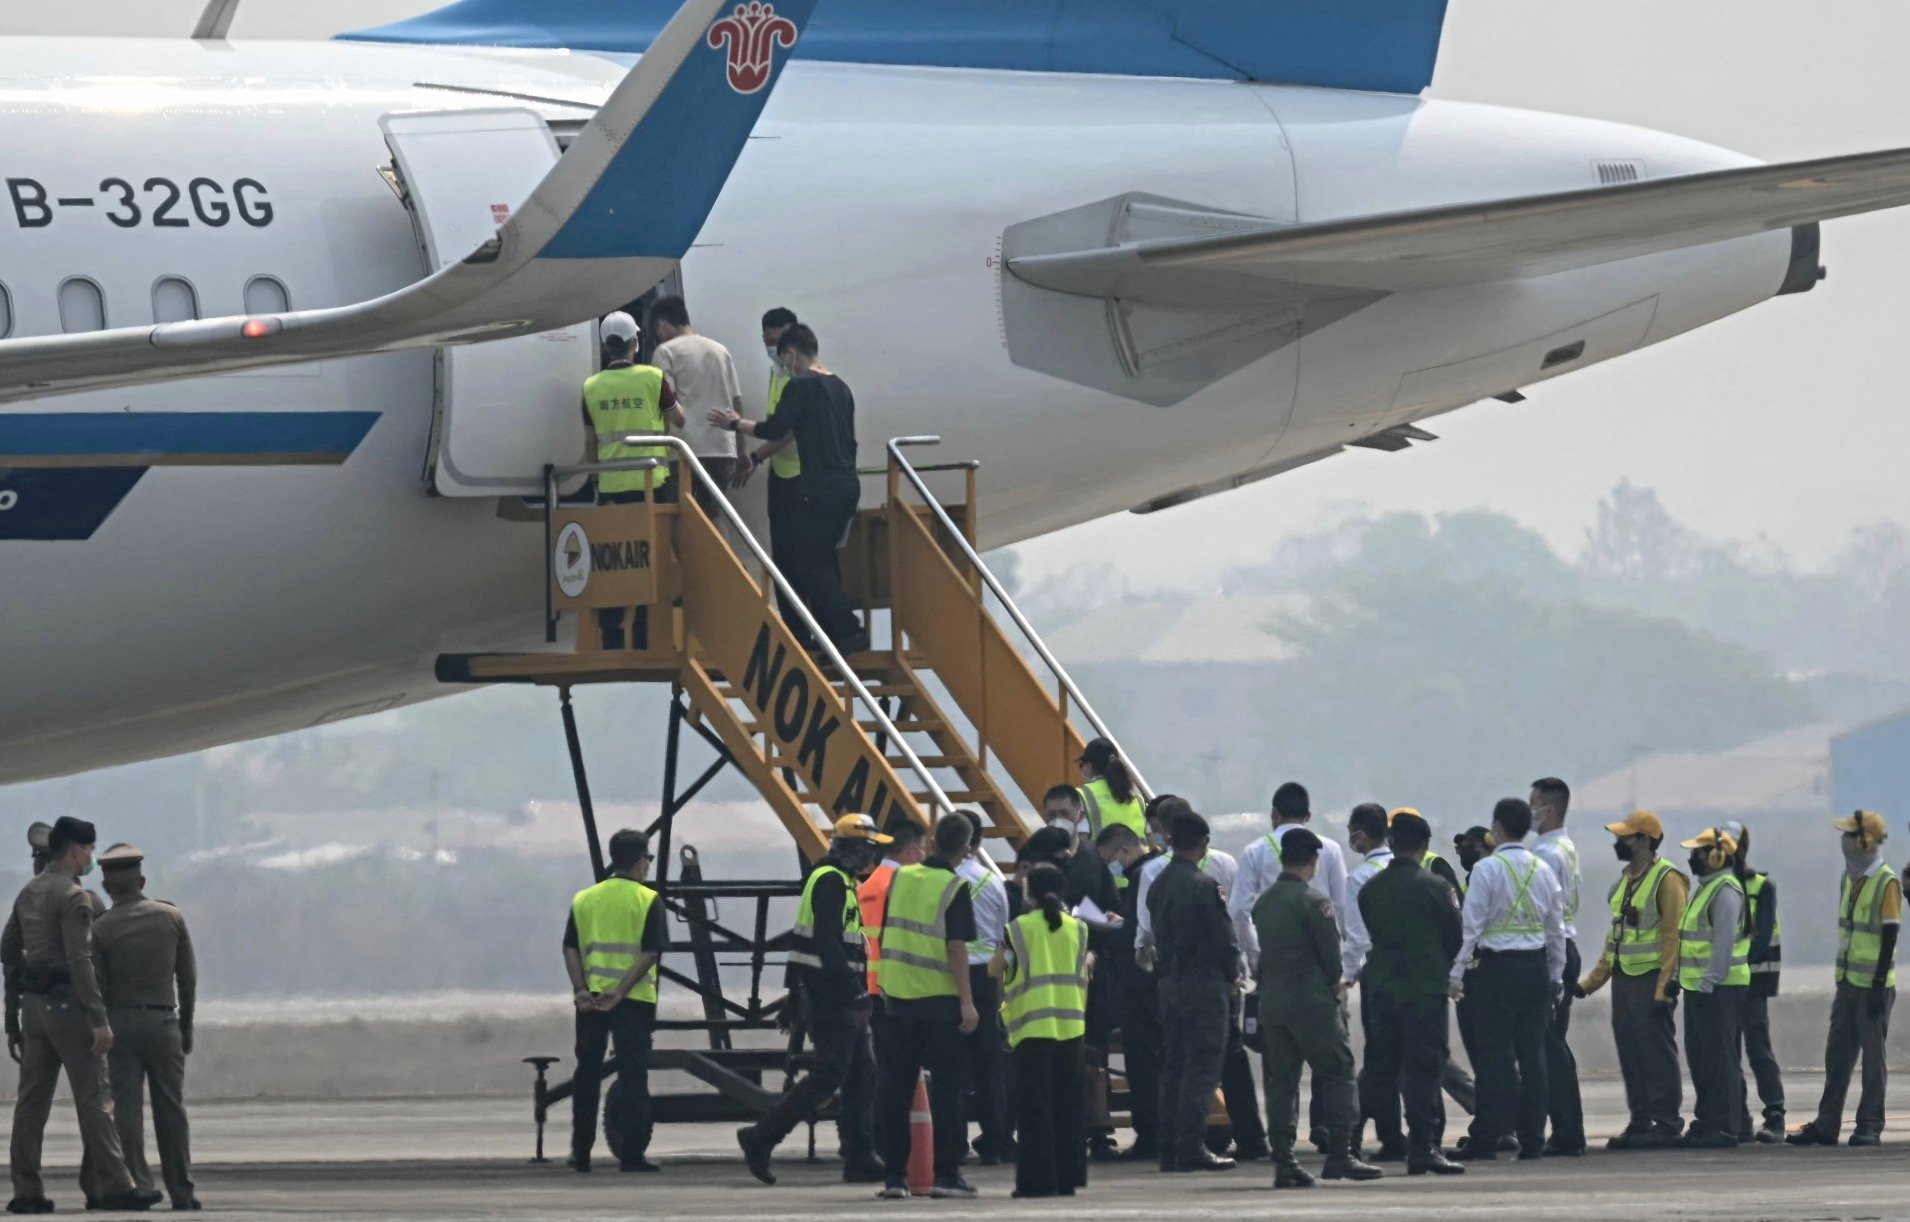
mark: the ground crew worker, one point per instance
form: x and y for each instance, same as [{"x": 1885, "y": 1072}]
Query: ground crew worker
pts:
[
  {"x": 1107, "y": 790},
  {"x": 1767, "y": 955},
  {"x": 150, "y": 980},
  {"x": 1714, "y": 974},
  {"x": 624, "y": 398},
  {"x": 1869, "y": 908},
  {"x": 926, "y": 929},
  {"x": 1303, "y": 1017},
  {"x": 1514, "y": 937},
  {"x": 1471, "y": 847},
  {"x": 1549, "y": 801},
  {"x": 48, "y": 945},
  {"x": 994, "y": 1139},
  {"x": 1044, "y": 965},
  {"x": 1198, "y": 966},
  {"x": 615, "y": 938},
  {"x": 785, "y": 463},
  {"x": 907, "y": 846},
  {"x": 818, "y": 409},
  {"x": 1641, "y": 961},
  {"x": 1124, "y": 995},
  {"x": 703, "y": 375},
  {"x": 1379, "y": 1083},
  {"x": 1411, "y": 917},
  {"x": 828, "y": 962}
]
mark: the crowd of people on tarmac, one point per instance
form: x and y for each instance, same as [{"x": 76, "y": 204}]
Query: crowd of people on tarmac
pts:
[
  {"x": 1122, "y": 933},
  {"x": 106, "y": 995}
]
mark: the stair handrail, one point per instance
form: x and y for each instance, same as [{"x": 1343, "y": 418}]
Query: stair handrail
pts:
[
  {"x": 1021, "y": 621},
  {"x": 937, "y": 795}
]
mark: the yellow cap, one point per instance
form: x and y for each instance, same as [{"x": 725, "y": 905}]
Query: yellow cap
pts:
[
  {"x": 860, "y": 827},
  {"x": 1712, "y": 836},
  {"x": 1404, "y": 810},
  {"x": 1638, "y": 823},
  {"x": 1866, "y": 823}
]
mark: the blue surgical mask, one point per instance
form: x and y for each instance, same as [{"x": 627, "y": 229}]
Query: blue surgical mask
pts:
[{"x": 771, "y": 354}]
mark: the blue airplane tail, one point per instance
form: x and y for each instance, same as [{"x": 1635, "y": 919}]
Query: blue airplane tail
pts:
[{"x": 1385, "y": 45}]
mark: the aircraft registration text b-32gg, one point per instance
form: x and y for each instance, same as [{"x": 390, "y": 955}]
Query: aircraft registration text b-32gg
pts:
[{"x": 288, "y": 331}]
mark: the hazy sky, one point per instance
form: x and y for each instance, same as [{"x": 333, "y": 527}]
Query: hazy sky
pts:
[{"x": 1786, "y": 423}]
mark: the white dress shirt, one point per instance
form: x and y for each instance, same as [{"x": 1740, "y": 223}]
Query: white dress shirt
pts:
[
  {"x": 1355, "y": 941},
  {"x": 1219, "y": 866},
  {"x": 1556, "y": 850},
  {"x": 1259, "y": 866},
  {"x": 990, "y": 898},
  {"x": 1489, "y": 897}
]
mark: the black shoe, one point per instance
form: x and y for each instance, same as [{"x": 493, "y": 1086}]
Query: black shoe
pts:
[
  {"x": 1624, "y": 1140},
  {"x": 1508, "y": 1144},
  {"x": 953, "y": 1188},
  {"x": 1432, "y": 1162},
  {"x": 1811, "y": 1135},
  {"x": 1771, "y": 1133},
  {"x": 125, "y": 1202},
  {"x": 756, "y": 1151},
  {"x": 1101, "y": 1149},
  {"x": 1207, "y": 1161},
  {"x": 1864, "y": 1137},
  {"x": 1466, "y": 1152},
  {"x": 871, "y": 1172},
  {"x": 29, "y": 1205},
  {"x": 579, "y": 1163},
  {"x": 1291, "y": 1175},
  {"x": 1712, "y": 1140},
  {"x": 187, "y": 1205},
  {"x": 1658, "y": 1137},
  {"x": 1392, "y": 1150},
  {"x": 1252, "y": 1154},
  {"x": 894, "y": 1191},
  {"x": 639, "y": 1163},
  {"x": 1553, "y": 1149}
]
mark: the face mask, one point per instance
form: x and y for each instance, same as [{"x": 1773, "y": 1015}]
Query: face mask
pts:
[
  {"x": 773, "y": 359},
  {"x": 87, "y": 870},
  {"x": 1156, "y": 841},
  {"x": 1859, "y": 861},
  {"x": 1623, "y": 849},
  {"x": 1700, "y": 863}
]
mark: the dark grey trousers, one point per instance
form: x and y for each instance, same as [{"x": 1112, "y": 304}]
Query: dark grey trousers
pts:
[
  {"x": 1647, "y": 1042},
  {"x": 1194, "y": 1031},
  {"x": 1757, "y": 1050},
  {"x": 1853, "y": 1031}
]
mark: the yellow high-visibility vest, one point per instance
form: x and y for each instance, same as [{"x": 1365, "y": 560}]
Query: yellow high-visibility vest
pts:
[
  {"x": 1637, "y": 946},
  {"x": 611, "y": 918},
  {"x": 804, "y": 950},
  {"x": 914, "y": 962},
  {"x": 1045, "y": 990},
  {"x": 1774, "y": 962},
  {"x": 627, "y": 399},
  {"x": 1860, "y": 930},
  {"x": 785, "y": 463},
  {"x": 1103, "y": 809},
  {"x": 1696, "y": 932}
]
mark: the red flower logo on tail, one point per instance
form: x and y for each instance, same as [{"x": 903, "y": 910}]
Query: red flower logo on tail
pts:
[{"x": 753, "y": 33}]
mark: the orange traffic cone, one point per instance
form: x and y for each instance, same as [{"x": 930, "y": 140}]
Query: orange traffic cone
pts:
[{"x": 921, "y": 1143}]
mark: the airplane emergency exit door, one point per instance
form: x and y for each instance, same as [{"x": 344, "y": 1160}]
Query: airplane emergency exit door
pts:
[{"x": 507, "y": 407}]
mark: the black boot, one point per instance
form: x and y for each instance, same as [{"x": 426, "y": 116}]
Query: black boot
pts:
[
  {"x": 1286, "y": 1172},
  {"x": 1341, "y": 1163},
  {"x": 1430, "y": 1160}
]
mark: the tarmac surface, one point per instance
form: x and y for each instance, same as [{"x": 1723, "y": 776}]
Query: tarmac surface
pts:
[{"x": 467, "y": 1158}]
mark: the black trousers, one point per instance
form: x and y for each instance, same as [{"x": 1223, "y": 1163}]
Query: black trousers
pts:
[
  {"x": 845, "y": 1064},
  {"x": 910, "y": 1045},
  {"x": 1049, "y": 1101},
  {"x": 784, "y": 496},
  {"x": 1194, "y": 1030},
  {"x": 987, "y": 1052},
  {"x": 1711, "y": 1051},
  {"x": 1853, "y": 1031},
  {"x": 822, "y": 514},
  {"x": 1141, "y": 1041},
  {"x": 1511, "y": 994},
  {"x": 630, "y": 1025},
  {"x": 1237, "y": 1086},
  {"x": 1405, "y": 1058},
  {"x": 1647, "y": 1043},
  {"x": 610, "y": 620},
  {"x": 1756, "y": 1040},
  {"x": 1561, "y": 1067}
]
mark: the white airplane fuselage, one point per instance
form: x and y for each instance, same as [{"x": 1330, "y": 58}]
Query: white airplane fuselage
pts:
[{"x": 229, "y": 601}]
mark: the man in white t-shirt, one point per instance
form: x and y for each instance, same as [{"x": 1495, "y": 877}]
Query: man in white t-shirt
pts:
[{"x": 704, "y": 377}]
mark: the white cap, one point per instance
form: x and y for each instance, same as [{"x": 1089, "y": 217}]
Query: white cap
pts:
[{"x": 619, "y": 327}]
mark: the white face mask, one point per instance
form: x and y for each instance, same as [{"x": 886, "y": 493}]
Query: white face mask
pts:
[{"x": 771, "y": 354}]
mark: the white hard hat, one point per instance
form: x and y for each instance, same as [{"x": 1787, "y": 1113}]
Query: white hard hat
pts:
[{"x": 619, "y": 327}]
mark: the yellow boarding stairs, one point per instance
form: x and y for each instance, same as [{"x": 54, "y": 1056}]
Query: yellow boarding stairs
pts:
[{"x": 947, "y": 712}]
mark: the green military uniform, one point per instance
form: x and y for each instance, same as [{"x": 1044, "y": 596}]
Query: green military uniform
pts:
[
  {"x": 1301, "y": 1021},
  {"x": 1199, "y": 962}
]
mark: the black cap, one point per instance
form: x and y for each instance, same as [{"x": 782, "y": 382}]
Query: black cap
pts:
[
  {"x": 68, "y": 831},
  {"x": 1481, "y": 834},
  {"x": 1099, "y": 752}
]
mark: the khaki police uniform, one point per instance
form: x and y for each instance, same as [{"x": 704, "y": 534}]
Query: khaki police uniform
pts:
[
  {"x": 150, "y": 981},
  {"x": 48, "y": 947}
]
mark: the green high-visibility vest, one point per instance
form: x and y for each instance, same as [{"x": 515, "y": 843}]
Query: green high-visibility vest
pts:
[
  {"x": 611, "y": 918},
  {"x": 785, "y": 463},
  {"x": 1636, "y": 945},
  {"x": 804, "y": 950},
  {"x": 1103, "y": 809},
  {"x": 1860, "y": 930},
  {"x": 626, "y": 399},
  {"x": 1522, "y": 915},
  {"x": 914, "y": 962},
  {"x": 1045, "y": 990},
  {"x": 1773, "y": 961},
  {"x": 1696, "y": 933}
]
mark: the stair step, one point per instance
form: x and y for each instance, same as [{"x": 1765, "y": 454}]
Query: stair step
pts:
[{"x": 905, "y": 725}]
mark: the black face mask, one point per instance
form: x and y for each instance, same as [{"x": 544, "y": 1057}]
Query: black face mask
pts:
[
  {"x": 1469, "y": 859},
  {"x": 1623, "y": 848},
  {"x": 1700, "y": 863}
]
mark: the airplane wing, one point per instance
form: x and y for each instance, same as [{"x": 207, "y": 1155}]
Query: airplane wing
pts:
[
  {"x": 1473, "y": 243},
  {"x": 591, "y": 236}
]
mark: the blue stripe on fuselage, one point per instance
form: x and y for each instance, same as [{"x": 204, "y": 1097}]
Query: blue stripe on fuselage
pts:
[{"x": 147, "y": 439}]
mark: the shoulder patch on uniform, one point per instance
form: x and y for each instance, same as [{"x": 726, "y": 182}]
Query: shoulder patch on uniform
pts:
[{"x": 1326, "y": 908}]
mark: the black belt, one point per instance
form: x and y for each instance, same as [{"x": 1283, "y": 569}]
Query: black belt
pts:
[
  {"x": 1486, "y": 950},
  {"x": 167, "y": 1009}
]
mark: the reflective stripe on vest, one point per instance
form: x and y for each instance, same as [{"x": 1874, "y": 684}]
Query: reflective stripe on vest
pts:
[
  {"x": 1045, "y": 990},
  {"x": 1521, "y": 915},
  {"x": 871, "y": 897},
  {"x": 1637, "y": 947},
  {"x": 1696, "y": 933},
  {"x": 611, "y": 918},
  {"x": 1774, "y": 957},
  {"x": 627, "y": 399},
  {"x": 914, "y": 961},
  {"x": 1103, "y": 809},
  {"x": 1860, "y": 930},
  {"x": 1570, "y": 885},
  {"x": 804, "y": 950},
  {"x": 785, "y": 463}
]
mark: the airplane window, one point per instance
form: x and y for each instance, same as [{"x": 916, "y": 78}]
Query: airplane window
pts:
[
  {"x": 174, "y": 300},
  {"x": 82, "y": 306},
  {"x": 6, "y": 312},
  {"x": 266, "y": 295}
]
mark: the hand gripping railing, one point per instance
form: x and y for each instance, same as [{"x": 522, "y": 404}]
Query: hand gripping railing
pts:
[
  {"x": 1033, "y": 638},
  {"x": 687, "y": 457}
]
